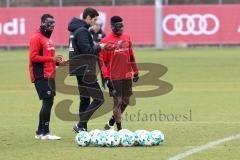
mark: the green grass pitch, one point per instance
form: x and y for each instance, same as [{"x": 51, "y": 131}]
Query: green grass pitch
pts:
[{"x": 205, "y": 81}]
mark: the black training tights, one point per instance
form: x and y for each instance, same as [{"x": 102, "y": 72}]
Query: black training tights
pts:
[{"x": 44, "y": 116}]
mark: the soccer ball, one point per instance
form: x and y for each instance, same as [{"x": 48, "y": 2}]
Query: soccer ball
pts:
[
  {"x": 98, "y": 138},
  {"x": 148, "y": 138},
  {"x": 113, "y": 138},
  {"x": 83, "y": 138},
  {"x": 127, "y": 138},
  {"x": 158, "y": 137},
  {"x": 143, "y": 138},
  {"x": 139, "y": 138}
]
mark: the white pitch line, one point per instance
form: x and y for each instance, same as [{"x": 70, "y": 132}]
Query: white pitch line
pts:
[{"x": 203, "y": 147}]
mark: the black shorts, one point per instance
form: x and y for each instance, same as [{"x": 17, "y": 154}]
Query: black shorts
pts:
[
  {"x": 45, "y": 88},
  {"x": 123, "y": 87}
]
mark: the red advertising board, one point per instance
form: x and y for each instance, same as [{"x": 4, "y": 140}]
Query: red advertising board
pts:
[
  {"x": 202, "y": 24},
  {"x": 18, "y": 24}
]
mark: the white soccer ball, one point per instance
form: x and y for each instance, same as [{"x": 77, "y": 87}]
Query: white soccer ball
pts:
[
  {"x": 158, "y": 137},
  {"x": 139, "y": 138},
  {"x": 148, "y": 138},
  {"x": 143, "y": 138},
  {"x": 113, "y": 138},
  {"x": 83, "y": 138},
  {"x": 127, "y": 138},
  {"x": 98, "y": 138}
]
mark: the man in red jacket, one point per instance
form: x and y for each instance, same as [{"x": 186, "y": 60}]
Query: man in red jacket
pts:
[
  {"x": 42, "y": 64},
  {"x": 117, "y": 67}
]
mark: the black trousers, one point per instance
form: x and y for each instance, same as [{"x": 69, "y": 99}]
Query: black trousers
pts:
[{"x": 88, "y": 91}]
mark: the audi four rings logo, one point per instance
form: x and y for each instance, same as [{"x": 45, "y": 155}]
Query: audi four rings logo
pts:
[{"x": 195, "y": 24}]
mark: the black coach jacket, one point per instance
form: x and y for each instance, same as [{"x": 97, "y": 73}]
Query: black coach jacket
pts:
[{"x": 82, "y": 51}]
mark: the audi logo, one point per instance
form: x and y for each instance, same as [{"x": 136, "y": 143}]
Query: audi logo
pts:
[{"x": 195, "y": 24}]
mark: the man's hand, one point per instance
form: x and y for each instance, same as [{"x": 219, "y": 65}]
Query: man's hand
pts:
[
  {"x": 104, "y": 82},
  {"x": 112, "y": 91},
  {"x": 64, "y": 63},
  {"x": 102, "y": 45},
  {"x": 109, "y": 83},
  {"x": 135, "y": 77},
  {"x": 58, "y": 58}
]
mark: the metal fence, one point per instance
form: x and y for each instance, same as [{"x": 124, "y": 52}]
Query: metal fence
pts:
[{"x": 62, "y": 3}]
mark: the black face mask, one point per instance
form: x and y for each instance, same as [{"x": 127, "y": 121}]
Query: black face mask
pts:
[
  {"x": 117, "y": 28},
  {"x": 45, "y": 32},
  {"x": 47, "y": 27}
]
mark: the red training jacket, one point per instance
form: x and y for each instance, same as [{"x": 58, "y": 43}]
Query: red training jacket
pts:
[
  {"x": 41, "y": 53},
  {"x": 120, "y": 63}
]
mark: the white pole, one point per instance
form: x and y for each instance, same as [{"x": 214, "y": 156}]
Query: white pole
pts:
[
  {"x": 60, "y": 3},
  {"x": 7, "y": 3},
  {"x": 113, "y": 2},
  {"x": 158, "y": 24},
  {"x": 166, "y": 2}
]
